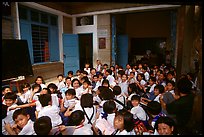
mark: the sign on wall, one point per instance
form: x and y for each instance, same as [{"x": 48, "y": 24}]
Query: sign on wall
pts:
[{"x": 102, "y": 43}]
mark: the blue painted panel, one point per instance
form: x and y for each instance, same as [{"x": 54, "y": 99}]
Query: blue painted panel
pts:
[
  {"x": 53, "y": 44},
  {"x": 25, "y": 31},
  {"x": 71, "y": 52},
  {"x": 122, "y": 50},
  {"x": 113, "y": 52}
]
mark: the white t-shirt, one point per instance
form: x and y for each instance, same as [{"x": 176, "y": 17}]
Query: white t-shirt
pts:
[
  {"x": 28, "y": 129},
  {"x": 83, "y": 130},
  {"x": 53, "y": 113},
  {"x": 138, "y": 112}
]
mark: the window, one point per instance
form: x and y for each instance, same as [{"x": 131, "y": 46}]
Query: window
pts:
[
  {"x": 40, "y": 29},
  {"x": 86, "y": 20},
  {"x": 40, "y": 44}
]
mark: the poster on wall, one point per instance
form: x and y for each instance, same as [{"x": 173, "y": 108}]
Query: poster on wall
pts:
[{"x": 102, "y": 43}]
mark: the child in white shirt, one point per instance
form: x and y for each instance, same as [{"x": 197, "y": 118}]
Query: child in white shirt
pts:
[
  {"x": 60, "y": 84},
  {"x": 23, "y": 124},
  {"x": 49, "y": 110},
  {"x": 9, "y": 100},
  {"x": 77, "y": 119}
]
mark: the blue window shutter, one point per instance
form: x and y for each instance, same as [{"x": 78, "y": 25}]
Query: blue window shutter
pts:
[
  {"x": 54, "y": 44},
  {"x": 25, "y": 30}
]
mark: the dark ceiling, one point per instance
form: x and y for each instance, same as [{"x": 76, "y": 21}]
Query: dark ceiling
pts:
[{"x": 84, "y": 7}]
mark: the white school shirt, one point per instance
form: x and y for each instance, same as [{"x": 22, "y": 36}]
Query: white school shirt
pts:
[
  {"x": 25, "y": 96},
  {"x": 110, "y": 118},
  {"x": 152, "y": 88},
  {"x": 79, "y": 92},
  {"x": 28, "y": 129},
  {"x": 124, "y": 132},
  {"x": 120, "y": 98},
  {"x": 68, "y": 103},
  {"x": 138, "y": 112},
  {"x": 89, "y": 112},
  {"x": 87, "y": 70},
  {"x": 43, "y": 86},
  {"x": 157, "y": 98},
  {"x": 124, "y": 88},
  {"x": 60, "y": 85},
  {"x": 8, "y": 118},
  {"x": 83, "y": 130},
  {"x": 146, "y": 75},
  {"x": 111, "y": 80},
  {"x": 53, "y": 113}
]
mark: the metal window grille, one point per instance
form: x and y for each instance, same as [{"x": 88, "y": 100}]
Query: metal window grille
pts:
[{"x": 40, "y": 44}]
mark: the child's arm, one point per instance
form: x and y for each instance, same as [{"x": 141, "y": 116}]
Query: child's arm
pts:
[
  {"x": 62, "y": 108},
  {"x": 9, "y": 129},
  {"x": 23, "y": 106}
]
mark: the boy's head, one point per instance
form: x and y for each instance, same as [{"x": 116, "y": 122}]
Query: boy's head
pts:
[
  {"x": 105, "y": 83},
  {"x": 95, "y": 78},
  {"x": 135, "y": 100},
  {"x": 108, "y": 72},
  {"x": 124, "y": 77},
  {"x": 70, "y": 93},
  {"x": 109, "y": 107},
  {"x": 5, "y": 90},
  {"x": 152, "y": 80},
  {"x": 21, "y": 117},
  {"x": 45, "y": 91},
  {"x": 10, "y": 98},
  {"x": 70, "y": 73},
  {"x": 86, "y": 100},
  {"x": 36, "y": 87},
  {"x": 158, "y": 89},
  {"x": 86, "y": 84},
  {"x": 53, "y": 87},
  {"x": 170, "y": 85},
  {"x": 43, "y": 125},
  {"x": 154, "y": 108},
  {"x": 77, "y": 117},
  {"x": 45, "y": 99},
  {"x": 60, "y": 77},
  {"x": 116, "y": 90}
]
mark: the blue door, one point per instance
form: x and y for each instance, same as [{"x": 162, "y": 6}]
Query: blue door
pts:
[
  {"x": 71, "y": 53},
  {"x": 122, "y": 50}
]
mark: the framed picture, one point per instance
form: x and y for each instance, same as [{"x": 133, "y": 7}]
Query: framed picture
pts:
[{"x": 102, "y": 43}]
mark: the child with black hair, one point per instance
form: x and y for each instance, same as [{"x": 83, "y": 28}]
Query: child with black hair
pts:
[
  {"x": 124, "y": 85},
  {"x": 23, "y": 124},
  {"x": 68, "y": 102},
  {"x": 86, "y": 105},
  {"x": 137, "y": 110},
  {"x": 49, "y": 110},
  {"x": 105, "y": 122},
  {"x": 25, "y": 92},
  {"x": 123, "y": 123},
  {"x": 158, "y": 91},
  {"x": 86, "y": 87},
  {"x": 110, "y": 78},
  {"x": 56, "y": 94},
  {"x": 77, "y": 119},
  {"x": 119, "y": 98},
  {"x": 10, "y": 99},
  {"x": 60, "y": 84},
  {"x": 44, "y": 123},
  {"x": 154, "y": 111}
]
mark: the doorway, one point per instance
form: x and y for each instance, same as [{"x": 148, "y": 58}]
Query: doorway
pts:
[{"x": 85, "y": 50}]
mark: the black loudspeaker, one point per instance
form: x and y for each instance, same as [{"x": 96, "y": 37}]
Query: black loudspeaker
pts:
[{"x": 15, "y": 59}]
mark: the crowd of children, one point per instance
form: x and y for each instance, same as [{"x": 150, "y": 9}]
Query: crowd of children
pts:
[{"x": 103, "y": 100}]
